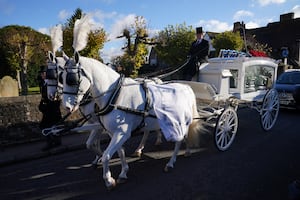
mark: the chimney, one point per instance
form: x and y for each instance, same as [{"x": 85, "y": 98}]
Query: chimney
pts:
[{"x": 287, "y": 17}]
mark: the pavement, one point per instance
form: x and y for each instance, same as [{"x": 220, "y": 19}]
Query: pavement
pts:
[{"x": 32, "y": 150}]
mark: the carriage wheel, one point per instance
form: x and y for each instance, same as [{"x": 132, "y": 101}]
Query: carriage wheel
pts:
[
  {"x": 226, "y": 128},
  {"x": 269, "y": 110}
]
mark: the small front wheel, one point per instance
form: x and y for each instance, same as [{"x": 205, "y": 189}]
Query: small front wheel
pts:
[{"x": 226, "y": 128}]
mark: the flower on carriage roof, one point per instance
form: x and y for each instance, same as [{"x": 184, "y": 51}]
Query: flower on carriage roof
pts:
[{"x": 256, "y": 53}]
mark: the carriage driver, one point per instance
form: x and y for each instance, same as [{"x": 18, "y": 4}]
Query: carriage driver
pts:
[{"x": 198, "y": 54}]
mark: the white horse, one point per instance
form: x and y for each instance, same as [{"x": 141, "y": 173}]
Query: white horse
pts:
[
  {"x": 124, "y": 107},
  {"x": 54, "y": 72}
]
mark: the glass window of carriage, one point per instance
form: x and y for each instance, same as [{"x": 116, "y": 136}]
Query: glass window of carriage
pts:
[
  {"x": 233, "y": 80},
  {"x": 258, "y": 77}
]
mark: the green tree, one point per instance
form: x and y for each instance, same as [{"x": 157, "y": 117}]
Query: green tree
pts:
[
  {"x": 174, "y": 43},
  {"x": 228, "y": 40},
  {"x": 95, "y": 42},
  {"x": 22, "y": 49},
  {"x": 135, "y": 49}
]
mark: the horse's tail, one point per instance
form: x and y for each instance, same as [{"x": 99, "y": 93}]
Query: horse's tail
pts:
[{"x": 195, "y": 128}]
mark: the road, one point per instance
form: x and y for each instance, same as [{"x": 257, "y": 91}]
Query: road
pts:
[{"x": 259, "y": 165}]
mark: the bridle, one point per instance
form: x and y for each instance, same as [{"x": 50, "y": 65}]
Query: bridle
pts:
[
  {"x": 73, "y": 79},
  {"x": 55, "y": 75}
]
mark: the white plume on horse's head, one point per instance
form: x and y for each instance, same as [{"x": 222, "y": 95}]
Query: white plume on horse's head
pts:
[
  {"x": 56, "y": 35},
  {"x": 82, "y": 29}
]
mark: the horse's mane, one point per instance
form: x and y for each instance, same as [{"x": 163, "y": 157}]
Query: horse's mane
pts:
[
  {"x": 56, "y": 35},
  {"x": 85, "y": 61}
]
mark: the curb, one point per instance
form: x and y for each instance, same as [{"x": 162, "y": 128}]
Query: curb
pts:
[{"x": 37, "y": 155}]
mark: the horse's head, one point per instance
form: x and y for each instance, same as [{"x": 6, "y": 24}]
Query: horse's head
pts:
[
  {"x": 55, "y": 68},
  {"x": 76, "y": 83}
]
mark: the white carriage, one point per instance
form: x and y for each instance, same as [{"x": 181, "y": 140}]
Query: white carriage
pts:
[{"x": 230, "y": 80}]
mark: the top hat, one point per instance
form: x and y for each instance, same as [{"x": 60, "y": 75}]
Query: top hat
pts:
[
  {"x": 199, "y": 30},
  {"x": 43, "y": 68}
]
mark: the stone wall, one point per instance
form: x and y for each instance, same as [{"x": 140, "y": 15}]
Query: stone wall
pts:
[{"x": 19, "y": 119}]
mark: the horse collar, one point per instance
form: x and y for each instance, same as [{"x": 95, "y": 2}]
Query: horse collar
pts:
[{"x": 113, "y": 98}]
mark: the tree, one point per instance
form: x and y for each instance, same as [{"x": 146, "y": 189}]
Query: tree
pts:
[
  {"x": 135, "y": 49},
  {"x": 95, "y": 42},
  {"x": 174, "y": 43},
  {"x": 22, "y": 47},
  {"x": 228, "y": 40}
]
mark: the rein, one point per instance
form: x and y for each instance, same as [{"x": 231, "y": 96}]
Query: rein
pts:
[{"x": 175, "y": 69}]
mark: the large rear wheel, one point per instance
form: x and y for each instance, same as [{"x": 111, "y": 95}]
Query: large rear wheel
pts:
[{"x": 225, "y": 129}]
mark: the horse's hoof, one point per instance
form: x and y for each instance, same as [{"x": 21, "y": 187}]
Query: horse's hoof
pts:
[
  {"x": 112, "y": 186},
  {"x": 122, "y": 180},
  {"x": 167, "y": 169},
  {"x": 136, "y": 154}
]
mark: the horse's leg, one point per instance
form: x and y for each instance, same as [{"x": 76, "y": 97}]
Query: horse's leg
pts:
[
  {"x": 117, "y": 140},
  {"x": 123, "y": 175},
  {"x": 172, "y": 160},
  {"x": 187, "y": 148},
  {"x": 139, "y": 149},
  {"x": 158, "y": 138},
  {"x": 93, "y": 143},
  {"x": 138, "y": 152}
]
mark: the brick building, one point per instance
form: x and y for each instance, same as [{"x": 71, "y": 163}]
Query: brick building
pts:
[{"x": 282, "y": 36}]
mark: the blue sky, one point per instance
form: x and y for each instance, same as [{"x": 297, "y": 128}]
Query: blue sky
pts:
[{"x": 114, "y": 15}]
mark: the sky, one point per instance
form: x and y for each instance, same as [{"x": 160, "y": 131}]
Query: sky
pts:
[{"x": 115, "y": 15}]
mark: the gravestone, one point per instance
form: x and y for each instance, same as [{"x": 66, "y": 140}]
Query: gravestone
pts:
[{"x": 8, "y": 87}]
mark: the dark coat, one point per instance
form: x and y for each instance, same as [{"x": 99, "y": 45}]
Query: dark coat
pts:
[
  {"x": 199, "y": 54},
  {"x": 50, "y": 109}
]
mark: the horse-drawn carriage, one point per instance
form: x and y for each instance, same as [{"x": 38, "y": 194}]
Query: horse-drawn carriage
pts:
[{"x": 179, "y": 107}]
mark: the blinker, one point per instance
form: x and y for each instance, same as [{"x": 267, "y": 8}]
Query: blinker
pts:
[
  {"x": 72, "y": 79},
  {"x": 51, "y": 74}
]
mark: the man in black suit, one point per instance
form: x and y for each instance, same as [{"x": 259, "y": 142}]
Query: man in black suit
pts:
[
  {"x": 50, "y": 110},
  {"x": 198, "y": 54}
]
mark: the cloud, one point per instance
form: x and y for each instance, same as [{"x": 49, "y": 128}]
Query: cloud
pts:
[
  {"x": 111, "y": 50},
  {"x": 44, "y": 31},
  {"x": 268, "y": 2},
  {"x": 63, "y": 14},
  {"x": 296, "y": 10},
  {"x": 215, "y": 26},
  {"x": 99, "y": 18},
  {"x": 241, "y": 14},
  {"x": 120, "y": 24},
  {"x": 250, "y": 25}
]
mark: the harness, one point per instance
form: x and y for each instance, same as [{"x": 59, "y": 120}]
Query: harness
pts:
[{"x": 111, "y": 104}]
